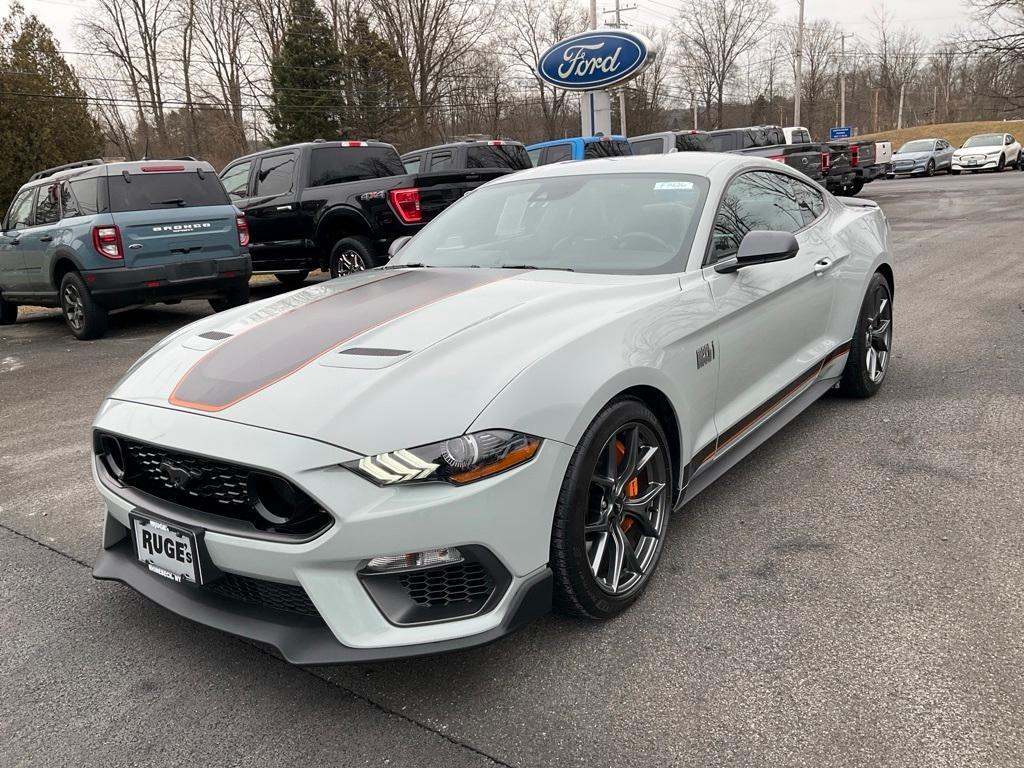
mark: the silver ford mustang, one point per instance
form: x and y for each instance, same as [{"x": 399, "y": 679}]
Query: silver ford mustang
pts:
[{"x": 425, "y": 456}]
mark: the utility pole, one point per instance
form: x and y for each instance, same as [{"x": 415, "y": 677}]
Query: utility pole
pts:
[
  {"x": 693, "y": 101},
  {"x": 619, "y": 8},
  {"x": 874, "y": 122},
  {"x": 593, "y": 14},
  {"x": 842, "y": 77},
  {"x": 799, "y": 63},
  {"x": 899, "y": 114},
  {"x": 935, "y": 105}
]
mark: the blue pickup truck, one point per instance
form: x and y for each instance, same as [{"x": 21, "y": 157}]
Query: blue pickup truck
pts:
[
  {"x": 91, "y": 237},
  {"x": 578, "y": 148}
]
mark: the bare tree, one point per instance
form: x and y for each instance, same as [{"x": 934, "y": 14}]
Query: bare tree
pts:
[
  {"x": 715, "y": 33},
  {"x": 1003, "y": 42},
  {"x": 818, "y": 70},
  {"x": 432, "y": 38},
  {"x": 533, "y": 26},
  {"x": 645, "y": 108},
  {"x": 898, "y": 50},
  {"x": 222, "y": 36}
]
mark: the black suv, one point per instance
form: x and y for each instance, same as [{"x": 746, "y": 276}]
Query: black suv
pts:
[{"x": 472, "y": 153}]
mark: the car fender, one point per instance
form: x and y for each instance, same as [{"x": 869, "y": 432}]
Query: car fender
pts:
[
  {"x": 344, "y": 217},
  {"x": 864, "y": 234}
]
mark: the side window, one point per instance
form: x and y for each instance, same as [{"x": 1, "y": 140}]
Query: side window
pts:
[
  {"x": 412, "y": 164},
  {"x": 87, "y": 195},
  {"x": 47, "y": 204},
  {"x": 648, "y": 147},
  {"x": 275, "y": 174},
  {"x": 68, "y": 204},
  {"x": 810, "y": 200},
  {"x": 439, "y": 161},
  {"x": 557, "y": 153},
  {"x": 236, "y": 179},
  {"x": 755, "y": 200},
  {"x": 20, "y": 214},
  {"x": 534, "y": 156},
  {"x": 1009, "y": 139}
]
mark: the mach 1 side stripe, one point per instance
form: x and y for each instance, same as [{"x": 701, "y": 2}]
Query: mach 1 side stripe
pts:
[
  {"x": 744, "y": 425},
  {"x": 278, "y": 347}
]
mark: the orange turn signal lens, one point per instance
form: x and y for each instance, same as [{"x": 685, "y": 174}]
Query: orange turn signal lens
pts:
[{"x": 513, "y": 458}]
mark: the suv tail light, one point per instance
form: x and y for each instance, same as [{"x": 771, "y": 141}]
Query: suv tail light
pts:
[
  {"x": 107, "y": 242},
  {"x": 854, "y": 156},
  {"x": 826, "y": 161},
  {"x": 243, "y": 230},
  {"x": 777, "y": 158},
  {"x": 406, "y": 203}
]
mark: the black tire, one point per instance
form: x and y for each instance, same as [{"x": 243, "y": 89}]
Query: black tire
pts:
[
  {"x": 292, "y": 279},
  {"x": 351, "y": 254},
  {"x": 231, "y": 298},
  {"x": 874, "y": 329},
  {"x": 854, "y": 189},
  {"x": 8, "y": 312},
  {"x": 577, "y": 590},
  {"x": 930, "y": 169},
  {"x": 84, "y": 317},
  {"x": 1002, "y": 164}
]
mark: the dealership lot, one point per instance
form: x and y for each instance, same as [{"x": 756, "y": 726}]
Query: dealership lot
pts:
[{"x": 848, "y": 595}]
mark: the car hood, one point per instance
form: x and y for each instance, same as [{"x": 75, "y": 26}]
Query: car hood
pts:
[
  {"x": 380, "y": 360},
  {"x": 911, "y": 155},
  {"x": 978, "y": 150}
]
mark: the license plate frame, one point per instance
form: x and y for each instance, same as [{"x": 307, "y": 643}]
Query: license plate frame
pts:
[{"x": 185, "y": 561}]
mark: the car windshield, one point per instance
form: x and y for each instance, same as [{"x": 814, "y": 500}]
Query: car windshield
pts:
[
  {"x": 917, "y": 146},
  {"x": 985, "y": 140},
  {"x": 605, "y": 223}
]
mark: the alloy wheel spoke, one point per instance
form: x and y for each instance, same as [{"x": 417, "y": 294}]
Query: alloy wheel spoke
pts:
[
  {"x": 641, "y": 502},
  {"x": 616, "y": 561},
  {"x": 648, "y": 454},
  {"x": 643, "y": 519},
  {"x": 872, "y": 362},
  {"x": 629, "y": 561},
  {"x": 630, "y": 465},
  {"x": 597, "y": 556}
]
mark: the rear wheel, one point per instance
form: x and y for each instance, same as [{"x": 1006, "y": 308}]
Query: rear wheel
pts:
[
  {"x": 292, "y": 279},
  {"x": 8, "y": 312},
  {"x": 85, "y": 318},
  {"x": 351, "y": 254},
  {"x": 233, "y": 297},
  {"x": 612, "y": 512},
  {"x": 872, "y": 342}
]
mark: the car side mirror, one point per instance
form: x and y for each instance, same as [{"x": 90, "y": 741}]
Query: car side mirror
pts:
[
  {"x": 760, "y": 247},
  {"x": 398, "y": 244}
]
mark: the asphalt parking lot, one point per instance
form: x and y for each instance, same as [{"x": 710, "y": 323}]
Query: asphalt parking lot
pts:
[{"x": 850, "y": 595}]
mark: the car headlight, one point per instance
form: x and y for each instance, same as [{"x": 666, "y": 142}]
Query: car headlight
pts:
[{"x": 460, "y": 460}]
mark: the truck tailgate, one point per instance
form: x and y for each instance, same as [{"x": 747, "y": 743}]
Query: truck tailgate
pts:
[
  {"x": 176, "y": 235},
  {"x": 440, "y": 189}
]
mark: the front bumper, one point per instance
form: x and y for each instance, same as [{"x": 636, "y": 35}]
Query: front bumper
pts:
[
  {"x": 961, "y": 164},
  {"x": 125, "y": 286},
  {"x": 508, "y": 516}
]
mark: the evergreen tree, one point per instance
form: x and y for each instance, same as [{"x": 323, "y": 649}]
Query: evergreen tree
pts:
[
  {"x": 378, "y": 95},
  {"x": 44, "y": 116},
  {"x": 305, "y": 78}
]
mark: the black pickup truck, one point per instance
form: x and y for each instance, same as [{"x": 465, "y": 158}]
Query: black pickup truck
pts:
[
  {"x": 336, "y": 205},
  {"x": 471, "y": 153},
  {"x": 852, "y": 166},
  {"x": 769, "y": 141}
]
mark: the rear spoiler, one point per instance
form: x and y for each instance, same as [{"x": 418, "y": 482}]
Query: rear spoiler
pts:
[{"x": 856, "y": 202}]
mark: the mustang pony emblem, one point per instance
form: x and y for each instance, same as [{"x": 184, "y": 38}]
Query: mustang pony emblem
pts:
[{"x": 178, "y": 476}]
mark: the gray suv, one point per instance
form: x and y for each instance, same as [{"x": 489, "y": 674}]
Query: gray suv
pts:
[{"x": 90, "y": 237}]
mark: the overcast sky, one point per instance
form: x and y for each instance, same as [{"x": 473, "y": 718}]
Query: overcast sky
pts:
[{"x": 932, "y": 18}]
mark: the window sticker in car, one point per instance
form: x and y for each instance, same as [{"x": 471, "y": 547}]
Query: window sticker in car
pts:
[{"x": 673, "y": 185}]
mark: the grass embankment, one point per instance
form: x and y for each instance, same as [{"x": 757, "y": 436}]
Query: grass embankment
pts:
[{"x": 954, "y": 133}]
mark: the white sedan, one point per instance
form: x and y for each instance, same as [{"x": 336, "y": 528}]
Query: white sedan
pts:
[
  {"x": 988, "y": 151},
  {"x": 423, "y": 457}
]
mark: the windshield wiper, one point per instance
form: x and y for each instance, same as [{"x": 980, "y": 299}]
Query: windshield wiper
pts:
[
  {"x": 534, "y": 266},
  {"x": 174, "y": 201}
]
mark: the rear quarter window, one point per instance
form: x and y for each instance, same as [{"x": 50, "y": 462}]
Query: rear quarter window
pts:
[
  {"x": 694, "y": 142},
  {"x": 153, "y": 191},
  {"x": 508, "y": 156},
  {"x": 337, "y": 165},
  {"x": 606, "y": 149},
  {"x": 89, "y": 195},
  {"x": 648, "y": 147}
]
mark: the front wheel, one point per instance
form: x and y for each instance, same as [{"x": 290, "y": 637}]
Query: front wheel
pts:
[
  {"x": 231, "y": 298},
  {"x": 351, "y": 254},
  {"x": 930, "y": 169},
  {"x": 1002, "y": 164},
  {"x": 612, "y": 512},
  {"x": 872, "y": 342},
  {"x": 8, "y": 312},
  {"x": 85, "y": 318}
]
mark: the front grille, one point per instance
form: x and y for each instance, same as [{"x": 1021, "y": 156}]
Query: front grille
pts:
[
  {"x": 451, "y": 584},
  {"x": 258, "y": 501},
  {"x": 267, "y": 594}
]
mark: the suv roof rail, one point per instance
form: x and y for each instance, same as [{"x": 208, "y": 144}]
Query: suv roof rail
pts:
[
  {"x": 65, "y": 167},
  {"x": 187, "y": 158}
]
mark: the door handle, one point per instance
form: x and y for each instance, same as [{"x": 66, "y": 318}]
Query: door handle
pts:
[
  {"x": 284, "y": 207},
  {"x": 46, "y": 238},
  {"x": 821, "y": 266}
]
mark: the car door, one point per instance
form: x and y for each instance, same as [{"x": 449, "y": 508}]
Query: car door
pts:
[
  {"x": 945, "y": 155},
  {"x": 12, "y": 260},
  {"x": 38, "y": 241},
  {"x": 772, "y": 319},
  {"x": 275, "y": 226}
]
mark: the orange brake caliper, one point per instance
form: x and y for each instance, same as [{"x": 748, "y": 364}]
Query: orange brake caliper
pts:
[{"x": 632, "y": 487}]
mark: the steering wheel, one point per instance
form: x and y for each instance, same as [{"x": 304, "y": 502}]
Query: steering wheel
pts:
[{"x": 658, "y": 242}]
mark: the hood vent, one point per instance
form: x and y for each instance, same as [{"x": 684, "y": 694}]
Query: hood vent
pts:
[
  {"x": 374, "y": 352},
  {"x": 366, "y": 358}
]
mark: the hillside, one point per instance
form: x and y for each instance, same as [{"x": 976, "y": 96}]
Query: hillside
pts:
[{"x": 954, "y": 133}]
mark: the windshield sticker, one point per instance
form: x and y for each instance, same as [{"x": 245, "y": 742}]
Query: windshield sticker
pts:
[{"x": 673, "y": 185}]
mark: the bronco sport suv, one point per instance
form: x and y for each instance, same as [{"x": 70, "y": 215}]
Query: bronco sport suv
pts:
[{"x": 92, "y": 236}]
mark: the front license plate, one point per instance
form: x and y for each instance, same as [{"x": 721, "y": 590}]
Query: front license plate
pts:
[
  {"x": 166, "y": 550},
  {"x": 972, "y": 161}
]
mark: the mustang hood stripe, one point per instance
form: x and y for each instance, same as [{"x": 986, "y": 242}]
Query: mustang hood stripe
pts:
[{"x": 278, "y": 347}]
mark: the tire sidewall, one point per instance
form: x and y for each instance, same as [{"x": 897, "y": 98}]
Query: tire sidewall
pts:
[
  {"x": 94, "y": 324},
  {"x": 855, "y": 380},
  {"x": 572, "y": 507},
  {"x": 359, "y": 244}
]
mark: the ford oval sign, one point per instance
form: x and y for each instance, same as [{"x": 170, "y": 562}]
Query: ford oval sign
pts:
[{"x": 595, "y": 59}]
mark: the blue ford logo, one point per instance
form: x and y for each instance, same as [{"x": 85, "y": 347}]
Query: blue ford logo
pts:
[{"x": 593, "y": 60}]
